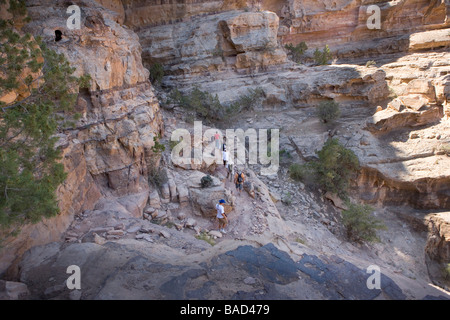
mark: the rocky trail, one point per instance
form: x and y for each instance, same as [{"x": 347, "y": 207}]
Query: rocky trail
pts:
[
  {"x": 262, "y": 256},
  {"x": 140, "y": 226}
]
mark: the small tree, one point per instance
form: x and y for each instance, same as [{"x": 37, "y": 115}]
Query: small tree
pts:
[
  {"x": 30, "y": 168},
  {"x": 335, "y": 167},
  {"x": 199, "y": 102},
  {"x": 158, "y": 147},
  {"x": 296, "y": 52},
  {"x": 302, "y": 172},
  {"x": 322, "y": 57},
  {"x": 328, "y": 111},
  {"x": 246, "y": 102},
  {"x": 360, "y": 224},
  {"x": 156, "y": 73}
]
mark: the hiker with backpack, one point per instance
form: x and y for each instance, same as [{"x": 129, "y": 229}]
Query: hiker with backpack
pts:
[
  {"x": 239, "y": 179},
  {"x": 221, "y": 216}
]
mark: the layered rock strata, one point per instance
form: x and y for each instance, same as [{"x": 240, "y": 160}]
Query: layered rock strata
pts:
[{"x": 108, "y": 152}]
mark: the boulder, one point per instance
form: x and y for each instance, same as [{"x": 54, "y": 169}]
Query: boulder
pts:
[
  {"x": 248, "y": 186},
  {"x": 205, "y": 199},
  {"x": 337, "y": 202},
  {"x": 172, "y": 190},
  {"x": 165, "y": 191},
  {"x": 183, "y": 195},
  {"x": 99, "y": 240},
  {"x": 190, "y": 223},
  {"x": 154, "y": 200},
  {"x": 215, "y": 233},
  {"x": 390, "y": 119},
  {"x": 164, "y": 233},
  {"x": 10, "y": 290}
]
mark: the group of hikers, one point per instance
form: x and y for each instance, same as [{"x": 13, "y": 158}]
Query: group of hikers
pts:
[
  {"x": 239, "y": 176},
  {"x": 239, "y": 179}
]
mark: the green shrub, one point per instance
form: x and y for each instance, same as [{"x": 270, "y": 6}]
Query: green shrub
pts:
[
  {"x": 206, "y": 181},
  {"x": 322, "y": 57},
  {"x": 371, "y": 63},
  {"x": 297, "y": 171},
  {"x": 199, "y": 102},
  {"x": 173, "y": 144},
  {"x": 296, "y": 52},
  {"x": 246, "y": 101},
  {"x": 360, "y": 224},
  {"x": 157, "y": 175},
  {"x": 285, "y": 153},
  {"x": 287, "y": 199},
  {"x": 332, "y": 171},
  {"x": 158, "y": 147},
  {"x": 335, "y": 167},
  {"x": 156, "y": 73},
  {"x": 446, "y": 272},
  {"x": 328, "y": 111},
  {"x": 205, "y": 237}
]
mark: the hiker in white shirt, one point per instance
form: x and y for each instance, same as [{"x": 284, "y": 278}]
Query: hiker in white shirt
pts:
[
  {"x": 225, "y": 157},
  {"x": 221, "y": 216}
]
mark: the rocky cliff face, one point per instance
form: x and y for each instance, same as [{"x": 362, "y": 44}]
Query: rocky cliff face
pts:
[
  {"x": 407, "y": 25},
  {"x": 343, "y": 24},
  {"x": 234, "y": 40},
  {"x": 393, "y": 118},
  {"x": 437, "y": 250},
  {"x": 108, "y": 152}
]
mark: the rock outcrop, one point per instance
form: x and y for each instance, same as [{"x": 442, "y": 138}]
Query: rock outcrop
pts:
[
  {"x": 437, "y": 250},
  {"x": 244, "y": 272},
  {"x": 349, "y": 27},
  {"x": 110, "y": 149},
  {"x": 225, "y": 41}
]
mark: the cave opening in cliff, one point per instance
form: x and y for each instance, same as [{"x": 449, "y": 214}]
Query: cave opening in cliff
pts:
[{"x": 58, "y": 35}]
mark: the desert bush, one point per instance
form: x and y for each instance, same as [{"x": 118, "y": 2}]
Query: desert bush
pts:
[
  {"x": 296, "y": 52},
  {"x": 322, "y": 57},
  {"x": 157, "y": 147},
  {"x": 206, "y": 181},
  {"x": 287, "y": 199},
  {"x": 335, "y": 167},
  {"x": 157, "y": 175},
  {"x": 332, "y": 171},
  {"x": 156, "y": 73},
  {"x": 446, "y": 272},
  {"x": 205, "y": 237},
  {"x": 246, "y": 101},
  {"x": 360, "y": 223},
  {"x": 299, "y": 172},
  {"x": 328, "y": 111},
  {"x": 199, "y": 102}
]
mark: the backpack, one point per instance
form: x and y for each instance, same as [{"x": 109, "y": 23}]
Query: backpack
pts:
[{"x": 240, "y": 178}]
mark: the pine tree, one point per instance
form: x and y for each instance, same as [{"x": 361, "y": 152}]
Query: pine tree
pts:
[
  {"x": 322, "y": 57},
  {"x": 30, "y": 167}
]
